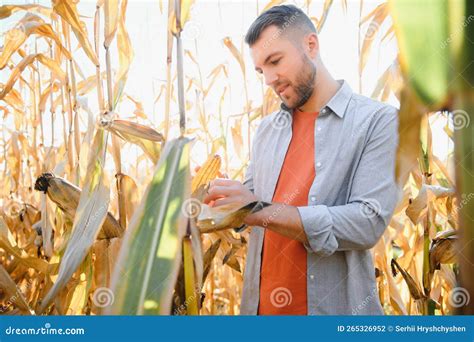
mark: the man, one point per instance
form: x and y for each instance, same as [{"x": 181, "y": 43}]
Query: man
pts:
[{"x": 326, "y": 162}]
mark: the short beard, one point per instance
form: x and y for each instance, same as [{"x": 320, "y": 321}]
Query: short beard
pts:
[{"x": 304, "y": 85}]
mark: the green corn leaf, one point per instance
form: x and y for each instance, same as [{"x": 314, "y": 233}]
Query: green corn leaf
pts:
[
  {"x": 423, "y": 37},
  {"x": 148, "y": 264}
]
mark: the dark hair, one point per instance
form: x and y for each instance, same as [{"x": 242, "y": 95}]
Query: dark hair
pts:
[{"x": 282, "y": 16}]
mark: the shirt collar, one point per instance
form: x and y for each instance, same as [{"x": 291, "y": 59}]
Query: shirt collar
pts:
[{"x": 338, "y": 103}]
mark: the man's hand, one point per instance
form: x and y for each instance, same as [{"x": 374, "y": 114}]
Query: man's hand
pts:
[
  {"x": 227, "y": 191},
  {"x": 283, "y": 219}
]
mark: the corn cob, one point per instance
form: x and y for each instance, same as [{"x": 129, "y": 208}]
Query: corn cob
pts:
[
  {"x": 413, "y": 286},
  {"x": 442, "y": 250},
  {"x": 208, "y": 172},
  {"x": 66, "y": 196},
  {"x": 212, "y": 219}
]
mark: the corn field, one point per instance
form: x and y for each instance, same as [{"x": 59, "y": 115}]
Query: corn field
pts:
[{"x": 100, "y": 207}]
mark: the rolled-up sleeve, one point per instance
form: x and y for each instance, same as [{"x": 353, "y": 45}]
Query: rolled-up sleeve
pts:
[{"x": 373, "y": 196}]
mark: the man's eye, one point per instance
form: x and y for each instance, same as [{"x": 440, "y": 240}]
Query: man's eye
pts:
[{"x": 275, "y": 62}]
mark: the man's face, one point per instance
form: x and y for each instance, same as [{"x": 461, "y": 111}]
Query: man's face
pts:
[{"x": 286, "y": 69}]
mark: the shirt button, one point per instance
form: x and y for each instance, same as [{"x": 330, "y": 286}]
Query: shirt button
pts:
[
  {"x": 323, "y": 111},
  {"x": 311, "y": 277},
  {"x": 318, "y": 164},
  {"x": 313, "y": 198},
  {"x": 318, "y": 129}
]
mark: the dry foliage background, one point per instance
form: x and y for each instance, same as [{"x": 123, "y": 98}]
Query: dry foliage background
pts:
[{"x": 42, "y": 99}]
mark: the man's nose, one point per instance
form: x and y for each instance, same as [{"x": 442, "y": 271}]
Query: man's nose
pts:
[{"x": 270, "y": 78}]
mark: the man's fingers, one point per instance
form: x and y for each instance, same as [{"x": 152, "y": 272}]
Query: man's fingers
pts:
[
  {"x": 222, "y": 201},
  {"x": 211, "y": 197},
  {"x": 223, "y": 182},
  {"x": 214, "y": 192},
  {"x": 223, "y": 175}
]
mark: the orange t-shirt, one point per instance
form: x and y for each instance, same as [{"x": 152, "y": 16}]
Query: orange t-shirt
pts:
[{"x": 283, "y": 271}]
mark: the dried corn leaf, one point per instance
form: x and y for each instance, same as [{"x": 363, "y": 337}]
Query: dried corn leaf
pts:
[
  {"x": 14, "y": 38},
  {"x": 79, "y": 294},
  {"x": 378, "y": 16},
  {"x": 208, "y": 257},
  {"x": 8, "y": 10},
  {"x": 29, "y": 24},
  {"x": 237, "y": 137},
  {"x": 139, "y": 111},
  {"x": 231, "y": 260},
  {"x": 83, "y": 87},
  {"x": 46, "y": 95},
  {"x": 145, "y": 137},
  {"x": 46, "y": 30},
  {"x": 130, "y": 194},
  {"x": 395, "y": 297},
  {"x": 91, "y": 214},
  {"x": 125, "y": 53},
  {"x": 12, "y": 292},
  {"x": 185, "y": 10},
  {"x": 426, "y": 193},
  {"x": 382, "y": 83},
  {"x": 111, "y": 20},
  {"x": 228, "y": 236},
  {"x": 5, "y": 233},
  {"x": 324, "y": 15},
  {"x": 233, "y": 263},
  {"x": 214, "y": 73},
  {"x": 14, "y": 99},
  {"x": 21, "y": 256},
  {"x": 47, "y": 62},
  {"x": 68, "y": 11},
  {"x": 410, "y": 116},
  {"x": 235, "y": 52},
  {"x": 46, "y": 227}
]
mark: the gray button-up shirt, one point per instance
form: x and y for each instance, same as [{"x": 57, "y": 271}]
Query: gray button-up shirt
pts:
[{"x": 350, "y": 202}]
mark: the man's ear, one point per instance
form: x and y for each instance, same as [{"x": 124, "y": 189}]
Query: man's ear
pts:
[{"x": 312, "y": 44}]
